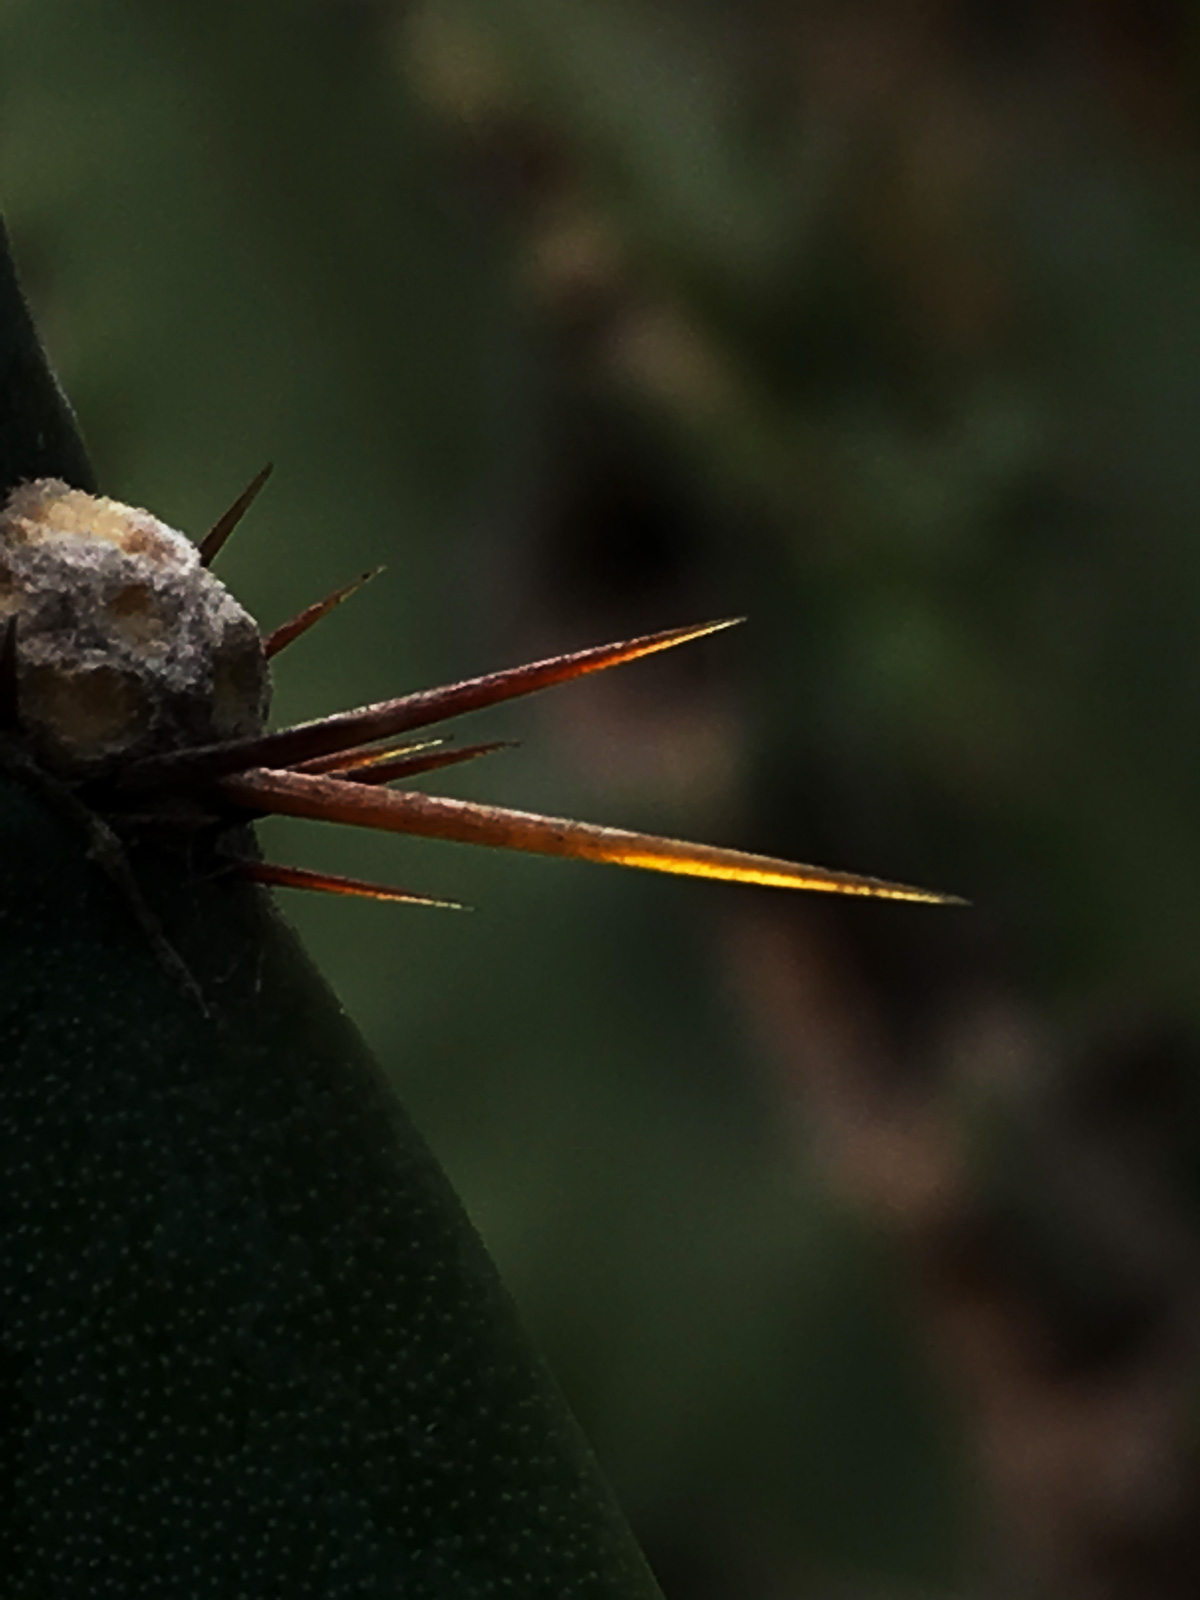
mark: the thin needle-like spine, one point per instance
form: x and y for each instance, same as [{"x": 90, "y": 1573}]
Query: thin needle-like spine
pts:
[
  {"x": 282, "y": 877},
  {"x": 383, "y": 771},
  {"x": 215, "y": 539},
  {"x": 344, "y": 761},
  {"x": 288, "y": 632},
  {"x": 336, "y": 800},
  {"x": 387, "y": 718}
]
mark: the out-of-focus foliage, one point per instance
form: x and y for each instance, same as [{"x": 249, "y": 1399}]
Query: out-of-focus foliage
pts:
[
  {"x": 881, "y": 324},
  {"x": 926, "y": 323}
]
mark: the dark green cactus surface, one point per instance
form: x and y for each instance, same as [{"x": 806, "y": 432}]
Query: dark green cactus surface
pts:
[
  {"x": 38, "y": 436},
  {"x": 249, "y": 1343}
]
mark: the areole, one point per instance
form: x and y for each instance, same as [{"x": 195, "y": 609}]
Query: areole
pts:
[{"x": 137, "y": 678}]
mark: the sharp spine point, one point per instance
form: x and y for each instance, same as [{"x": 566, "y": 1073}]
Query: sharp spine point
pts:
[
  {"x": 384, "y": 771},
  {"x": 288, "y": 632},
  {"x": 291, "y": 746},
  {"x": 336, "y": 800},
  {"x": 214, "y": 540},
  {"x": 344, "y": 761},
  {"x": 283, "y": 877}
]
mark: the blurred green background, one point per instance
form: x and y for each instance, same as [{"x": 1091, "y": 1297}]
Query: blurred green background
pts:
[{"x": 865, "y": 1239}]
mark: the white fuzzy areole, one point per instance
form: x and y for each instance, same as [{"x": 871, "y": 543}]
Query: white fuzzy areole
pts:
[{"x": 126, "y": 645}]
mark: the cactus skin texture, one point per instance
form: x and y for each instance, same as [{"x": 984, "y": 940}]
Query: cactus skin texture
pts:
[
  {"x": 38, "y": 436},
  {"x": 249, "y": 1343}
]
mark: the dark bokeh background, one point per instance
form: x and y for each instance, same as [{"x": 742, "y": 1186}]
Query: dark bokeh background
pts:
[{"x": 865, "y": 1238}]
